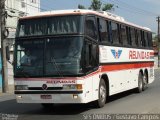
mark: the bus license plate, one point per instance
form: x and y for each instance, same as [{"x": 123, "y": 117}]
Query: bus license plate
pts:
[{"x": 46, "y": 97}]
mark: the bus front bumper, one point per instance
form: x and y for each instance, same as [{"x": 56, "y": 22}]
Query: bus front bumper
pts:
[{"x": 49, "y": 96}]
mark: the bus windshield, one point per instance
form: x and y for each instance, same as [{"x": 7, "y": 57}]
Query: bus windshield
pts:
[
  {"x": 50, "y": 26},
  {"x": 49, "y": 57}
]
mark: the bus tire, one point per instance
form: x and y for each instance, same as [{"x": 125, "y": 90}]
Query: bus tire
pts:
[
  {"x": 140, "y": 83},
  {"x": 102, "y": 94},
  {"x": 145, "y": 81}
]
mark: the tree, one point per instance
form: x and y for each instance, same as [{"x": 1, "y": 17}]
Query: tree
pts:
[
  {"x": 81, "y": 7},
  {"x": 97, "y": 6},
  {"x": 107, "y": 7}
]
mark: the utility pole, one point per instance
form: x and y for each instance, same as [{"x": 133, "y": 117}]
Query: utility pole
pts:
[
  {"x": 3, "y": 46},
  {"x": 158, "y": 35}
]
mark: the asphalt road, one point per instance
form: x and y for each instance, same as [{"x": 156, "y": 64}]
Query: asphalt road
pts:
[{"x": 125, "y": 103}]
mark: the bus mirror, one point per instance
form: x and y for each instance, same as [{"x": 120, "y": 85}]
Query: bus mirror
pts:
[{"x": 7, "y": 53}]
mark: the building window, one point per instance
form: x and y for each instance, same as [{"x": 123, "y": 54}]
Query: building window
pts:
[
  {"x": 23, "y": 5},
  {"x": 33, "y": 1}
]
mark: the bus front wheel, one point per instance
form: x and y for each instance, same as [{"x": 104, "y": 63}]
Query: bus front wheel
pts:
[{"x": 101, "y": 94}]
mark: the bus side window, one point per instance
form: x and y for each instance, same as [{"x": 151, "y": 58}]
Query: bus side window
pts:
[
  {"x": 103, "y": 31},
  {"x": 150, "y": 40},
  {"x": 95, "y": 55},
  {"x": 138, "y": 38},
  {"x": 133, "y": 37},
  {"x": 124, "y": 35},
  {"x": 87, "y": 53},
  {"x": 129, "y": 36},
  {"x": 146, "y": 39},
  {"x": 91, "y": 29},
  {"x": 142, "y": 39},
  {"x": 120, "y": 34},
  {"x": 115, "y": 34},
  {"x": 110, "y": 31},
  {"x": 91, "y": 56}
]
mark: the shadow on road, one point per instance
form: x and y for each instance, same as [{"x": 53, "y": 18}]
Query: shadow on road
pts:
[{"x": 11, "y": 107}]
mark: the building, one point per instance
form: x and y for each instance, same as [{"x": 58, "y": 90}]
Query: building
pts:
[
  {"x": 14, "y": 10},
  {"x": 20, "y": 8}
]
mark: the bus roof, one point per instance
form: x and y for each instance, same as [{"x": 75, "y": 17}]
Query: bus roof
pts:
[{"x": 84, "y": 12}]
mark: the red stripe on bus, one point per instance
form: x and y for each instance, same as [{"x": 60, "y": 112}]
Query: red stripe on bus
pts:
[
  {"x": 151, "y": 53},
  {"x": 116, "y": 67},
  {"x": 103, "y": 68},
  {"x": 45, "y": 79}
]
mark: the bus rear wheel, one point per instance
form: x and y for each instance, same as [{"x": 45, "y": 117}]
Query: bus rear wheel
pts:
[
  {"x": 102, "y": 94},
  {"x": 145, "y": 81},
  {"x": 140, "y": 83}
]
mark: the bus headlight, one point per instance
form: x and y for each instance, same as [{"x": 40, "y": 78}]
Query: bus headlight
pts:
[
  {"x": 73, "y": 87},
  {"x": 21, "y": 87}
]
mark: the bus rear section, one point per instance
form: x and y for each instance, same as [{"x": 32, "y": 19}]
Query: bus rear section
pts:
[{"x": 126, "y": 68}]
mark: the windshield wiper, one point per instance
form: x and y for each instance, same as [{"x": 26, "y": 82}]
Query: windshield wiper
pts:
[{"x": 56, "y": 66}]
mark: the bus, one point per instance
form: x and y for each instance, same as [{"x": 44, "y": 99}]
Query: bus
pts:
[{"x": 108, "y": 56}]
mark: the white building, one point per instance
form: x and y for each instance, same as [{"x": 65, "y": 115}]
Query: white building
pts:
[
  {"x": 19, "y": 8},
  {"x": 16, "y": 9}
]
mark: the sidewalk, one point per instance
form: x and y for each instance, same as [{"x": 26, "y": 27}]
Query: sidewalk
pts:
[{"x": 6, "y": 96}]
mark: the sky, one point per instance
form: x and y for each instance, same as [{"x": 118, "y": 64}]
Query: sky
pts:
[{"x": 140, "y": 12}]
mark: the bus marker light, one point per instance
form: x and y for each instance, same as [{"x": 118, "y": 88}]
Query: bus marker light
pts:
[
  {"x": 75, "y": 96},
  {"x": 19, "y": 97},
  {"x": 79, "y": 86}
]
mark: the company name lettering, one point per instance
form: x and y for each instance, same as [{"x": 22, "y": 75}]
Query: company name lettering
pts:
[
  {"x": 139, "y": 55},
  {"x": 61, "y": 81}
]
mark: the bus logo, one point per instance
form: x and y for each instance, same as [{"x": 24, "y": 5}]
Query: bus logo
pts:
[
  {"x": 116, "y": 54},
  {"x": 44, "y": 87}
]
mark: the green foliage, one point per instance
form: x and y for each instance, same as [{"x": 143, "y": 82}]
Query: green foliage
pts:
[
  {"x": 81, "y": 7},
  {"x": 97, "y": 6},
  {"x": 107, "y": 7}
]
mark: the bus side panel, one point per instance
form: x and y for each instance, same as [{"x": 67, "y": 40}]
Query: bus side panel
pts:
[
  {"x": 120, "y": 81},
  {"x": 95, "y": 86},
  {"x": 87, "y": 92},
  {"x": 91, "y": 85},
  {"x": 122, "y": 65}
]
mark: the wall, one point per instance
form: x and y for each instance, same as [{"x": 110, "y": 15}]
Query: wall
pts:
[
  {"x": 0, "y": 73},
  {"x": 10, "y": 75}
]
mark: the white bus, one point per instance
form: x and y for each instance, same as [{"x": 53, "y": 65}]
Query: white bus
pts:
[{"x": 80, "y": 56}]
